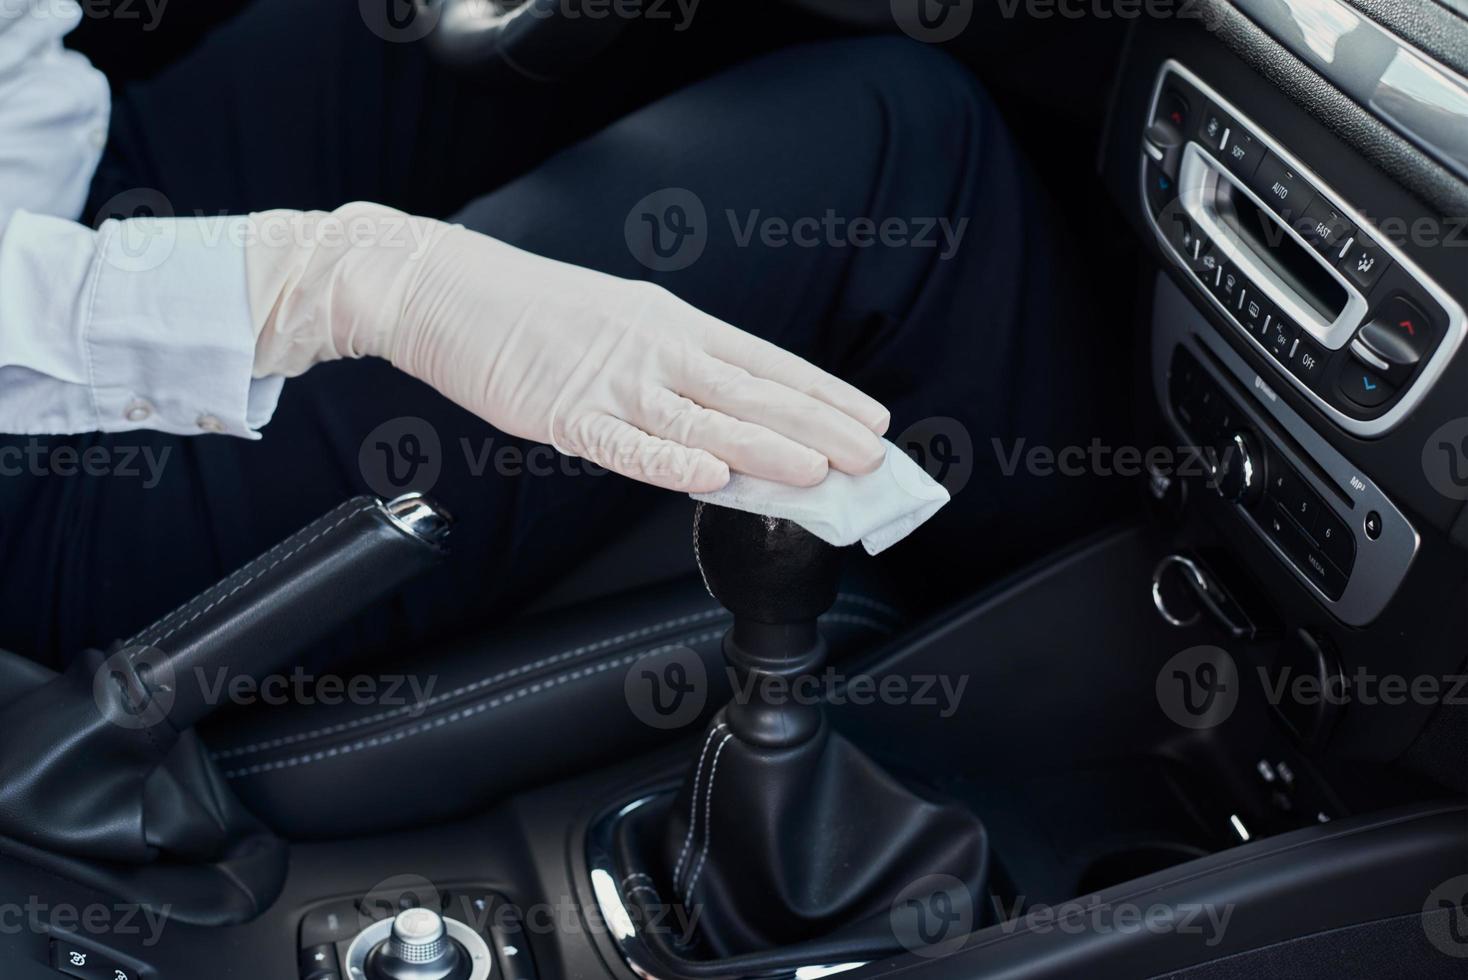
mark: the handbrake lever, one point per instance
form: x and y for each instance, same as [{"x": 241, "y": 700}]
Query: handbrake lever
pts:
[
  {"x": 257, "y": 619},
  {"x": 102, "y": 779}
]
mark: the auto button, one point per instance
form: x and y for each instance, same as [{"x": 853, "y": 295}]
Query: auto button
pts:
[{"x": 1282, "y": 188}]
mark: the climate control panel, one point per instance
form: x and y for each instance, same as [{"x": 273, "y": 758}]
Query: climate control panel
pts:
[{"x": 1341, "y": 311}]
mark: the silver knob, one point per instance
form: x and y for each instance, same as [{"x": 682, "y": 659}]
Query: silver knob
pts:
[
  {"x": 417, "y": 948},
  {"x": 417, "y": 936}
]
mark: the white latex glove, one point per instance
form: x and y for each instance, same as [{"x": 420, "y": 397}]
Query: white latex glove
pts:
[{"x": 617, "y": 371}]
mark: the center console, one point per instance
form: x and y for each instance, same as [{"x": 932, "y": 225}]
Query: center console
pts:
[
  {"x": 1333, "y": 312},
  {"x": 1129, "y": 787}
]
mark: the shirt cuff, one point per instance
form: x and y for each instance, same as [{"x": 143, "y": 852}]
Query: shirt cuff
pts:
[{"x": 168, "y": 339}]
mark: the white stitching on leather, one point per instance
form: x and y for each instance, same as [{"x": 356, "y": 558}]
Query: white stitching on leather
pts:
[
  {"x": 183, "y": 610},
  {"x": 698, "y": 554},
  {"x": 480, "y": 708},
  {"x": 708, "y": 822},
  {"x": 693, "y": 809},
  {"x": 483, "y": 682},
  {"x": 139, "y": 639},
  {"x": 346, "y": 726},
  {"x": 466, "y": 712}
]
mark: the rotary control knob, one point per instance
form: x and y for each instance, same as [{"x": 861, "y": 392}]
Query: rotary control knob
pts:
[
  {"x": 1239, "y": 474},
  {"x": 418, "y": 948}
]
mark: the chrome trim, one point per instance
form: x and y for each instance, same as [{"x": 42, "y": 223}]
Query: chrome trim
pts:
[
  {"x": 1161, "y": 604},
  {"x": 1457, "y": 321},
  {"x": 1242, "y": 448},
  {"x": 607, "y": 883},
  {"x": 419, "y": 516},
  {"x": 1367, "y": 357},
  {"x": 1421, "y": 98},
  {"x": 481, "y": 962},
  {"x": 468, "y": 32},
  {"x": 1198, "y": 180}
]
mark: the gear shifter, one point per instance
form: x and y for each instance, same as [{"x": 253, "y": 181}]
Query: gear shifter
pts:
[
  {"x": 777, "y": 579},
  {"x": 784, "y": 832}
]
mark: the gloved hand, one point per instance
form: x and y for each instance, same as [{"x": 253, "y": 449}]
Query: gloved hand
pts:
[{"x": 617, "y": 371}]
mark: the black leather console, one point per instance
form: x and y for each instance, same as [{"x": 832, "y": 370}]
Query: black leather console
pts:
[
  {"x": 102, "y": 776},
  {"x": 531, "y": 702}
]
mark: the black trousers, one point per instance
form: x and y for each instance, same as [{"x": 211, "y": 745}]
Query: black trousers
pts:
[{"x": 856, "y": 201}]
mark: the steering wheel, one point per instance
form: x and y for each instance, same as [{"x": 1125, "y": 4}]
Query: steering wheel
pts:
[{"x": 543, "y": 39}]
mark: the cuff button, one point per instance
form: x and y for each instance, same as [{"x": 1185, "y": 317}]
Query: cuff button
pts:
[
  {"x": 210, "y": 423},
  {"x": 138, "y": 411}
]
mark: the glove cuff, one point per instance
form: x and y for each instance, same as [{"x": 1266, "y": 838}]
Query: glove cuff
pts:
[{"x": 328, "y": 285}]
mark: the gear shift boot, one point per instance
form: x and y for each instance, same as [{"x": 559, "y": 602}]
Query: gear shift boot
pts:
[
  {"x": 784, "y": 834},
  {"x": 777, "y": 846}
]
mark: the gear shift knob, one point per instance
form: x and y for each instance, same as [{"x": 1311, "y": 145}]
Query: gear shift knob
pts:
[
  {"x": 777, "y": 579},
  {"x": 764, "y": 569}
]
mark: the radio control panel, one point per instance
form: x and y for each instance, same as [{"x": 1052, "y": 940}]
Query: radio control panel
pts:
[{"x": 1319, "y": 514}]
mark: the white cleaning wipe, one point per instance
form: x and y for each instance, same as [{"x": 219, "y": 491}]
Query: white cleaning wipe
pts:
[{"x": 879, "y": 509}]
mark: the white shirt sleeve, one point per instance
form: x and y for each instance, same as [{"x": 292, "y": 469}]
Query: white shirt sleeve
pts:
[{"x": 142, "y": 323}]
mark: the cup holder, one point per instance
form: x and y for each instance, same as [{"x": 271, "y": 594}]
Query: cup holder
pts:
[{"x": 1134, "y": 862}]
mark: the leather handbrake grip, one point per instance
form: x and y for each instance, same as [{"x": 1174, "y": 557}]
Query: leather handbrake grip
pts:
[{"x": 298, "y": 592}]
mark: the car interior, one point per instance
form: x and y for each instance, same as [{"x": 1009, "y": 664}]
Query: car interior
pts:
[{"x": 1213, "y": 726}]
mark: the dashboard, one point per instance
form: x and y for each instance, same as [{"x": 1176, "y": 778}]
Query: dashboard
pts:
[
  {"x": 1342, "y": 316},
  {"x": 1304, "y": 319}
]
